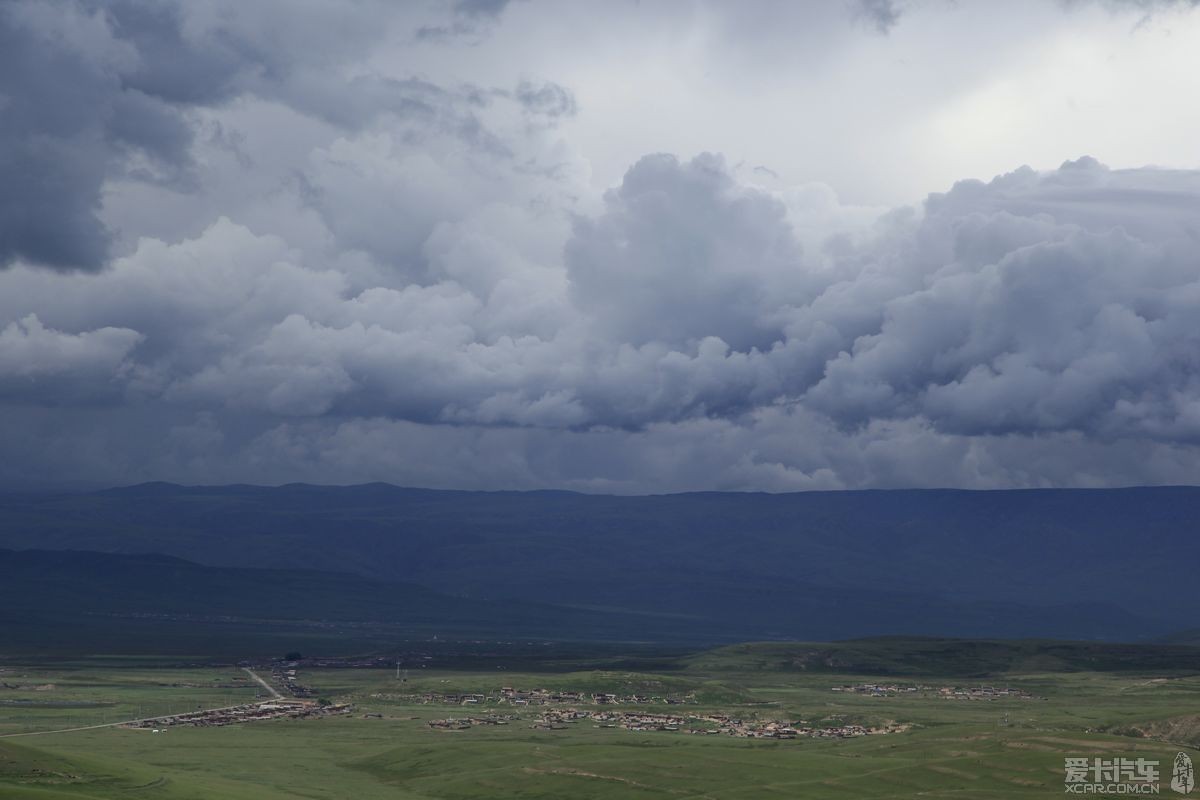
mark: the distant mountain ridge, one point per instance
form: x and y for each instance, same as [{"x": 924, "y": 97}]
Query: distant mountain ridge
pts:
[
  {"x": 94, "y": 594},
  {"x": 1076, "y": 563}
]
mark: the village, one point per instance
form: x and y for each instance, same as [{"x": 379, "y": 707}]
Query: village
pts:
[
  {"x": 284, "y": 676},
  {"x": 283, "y": 682},
  {"x": 463, "y": 723},
  {"x": 943, "y": 692},
  {"x": 711, "y": 724},
  {"x": 507, "y": 695},
  {"x": 247, "y": 712}
]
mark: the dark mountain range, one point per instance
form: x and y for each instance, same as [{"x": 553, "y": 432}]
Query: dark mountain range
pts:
[
  {"x": 1110, "y": 564},
  {"x": 115, "y": 602}
]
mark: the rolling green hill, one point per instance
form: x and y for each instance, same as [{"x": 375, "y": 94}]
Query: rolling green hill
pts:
[{"x": 951, "y": 657}]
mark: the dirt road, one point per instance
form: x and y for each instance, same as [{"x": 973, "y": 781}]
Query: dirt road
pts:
[{"x": 263, "y": 683}]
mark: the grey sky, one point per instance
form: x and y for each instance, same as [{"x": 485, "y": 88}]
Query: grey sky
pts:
[{"x": 682, "y": 245}]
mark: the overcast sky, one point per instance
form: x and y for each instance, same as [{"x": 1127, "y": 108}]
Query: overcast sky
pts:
[{"x": 629, "y": 247}]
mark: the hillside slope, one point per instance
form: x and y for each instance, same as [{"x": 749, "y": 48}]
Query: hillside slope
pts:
[
  {"x": 1115, "y": 564},
  {"x": 115, "y": 601}
]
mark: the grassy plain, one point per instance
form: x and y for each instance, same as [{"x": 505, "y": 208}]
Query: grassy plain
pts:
[{"x": 956, "y": 748}]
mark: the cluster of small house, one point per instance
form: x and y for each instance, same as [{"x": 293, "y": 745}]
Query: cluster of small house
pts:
[
  {"x": 29, "y": 687},
  {"x": 507, "y": 695},
  {"x": 284, "y": 676},
  {"x": 699, "y": 724},
  {"x": 982, "y": 693},
  {"x": 946, "y": 692},
  {"x": 463, "y": 723},
  {"x": 706, "y": 725},
  {"x": 249, "y": 712}
]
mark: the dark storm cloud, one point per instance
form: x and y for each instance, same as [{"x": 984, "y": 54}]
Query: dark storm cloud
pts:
[
  {"x": 383, "y": 276},
  {"x": 1038, "y": 302},
  {"x": 90, "y": 91},
  {"x": 94, "y": 91},
  {"x": 173, "y": 67},
  {"x": 54, "y": 138}
]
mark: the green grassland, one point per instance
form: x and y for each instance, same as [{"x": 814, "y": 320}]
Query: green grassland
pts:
[
  {"x": 954, "y": 749},
  {"x": 100, "y": 691}
]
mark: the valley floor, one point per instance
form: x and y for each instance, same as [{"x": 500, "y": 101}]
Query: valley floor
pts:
[{"x": 946, "y": 739}]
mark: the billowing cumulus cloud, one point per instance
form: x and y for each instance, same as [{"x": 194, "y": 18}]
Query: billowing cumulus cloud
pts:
[
  {"x": 46, "y": 366},
  {"x": 270, "y": 265},
  {"x": 682, "y": 252},
  {"x": 1060, "y": 304}
]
